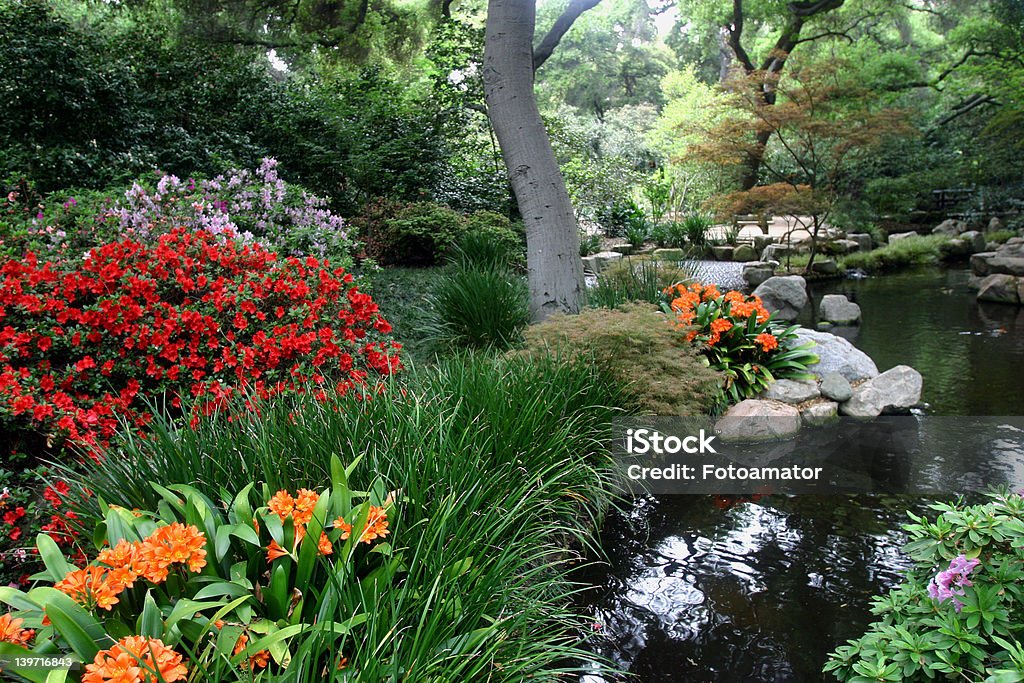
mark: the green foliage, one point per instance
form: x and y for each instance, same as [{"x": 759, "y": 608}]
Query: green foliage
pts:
[
  {"x": 959, "y": 612},
  {"x": 910, "y": 251},
  {"x": 483, "y": 592},
  {"x": 640, "y": 348},
  {"x": 589, "y": 243},
  {"x": 480, "y": 302},
  {"x": 497, "y": 230},
  {"x": 407, "y": 234},
  {"x": 635, "y": 279}
]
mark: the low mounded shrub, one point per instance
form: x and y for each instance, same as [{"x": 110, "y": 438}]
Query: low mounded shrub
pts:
[
  {"x": 638, "y": 346},
  {"x": 959, "y": 613},
  {"x": 637, "y": 279},
  {"x": 417, "y": 234},
  {"x": 911, "y": 251}
]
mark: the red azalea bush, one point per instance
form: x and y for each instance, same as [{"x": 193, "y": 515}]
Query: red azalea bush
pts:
[{"x": 84, "y": 346}]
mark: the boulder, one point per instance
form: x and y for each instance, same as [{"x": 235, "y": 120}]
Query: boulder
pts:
[
  {"x": 836, "y": 308},
  {"x": 755, "y": 420},
  {"x": 996, "y": 224},
  {"x": 722, "y": 253},
  {"x": 668, "y": 254},
  {"x": 1001, "y": 289},
  {"x": 774, "y": 252},
  {"x": 597, "y": 263},
  {"x": 1008, "y": 265},
  {"x": 951, "y": 227},
  {"x": 836, "y": 354},
  {"x": 1012, "y": 248},
  {"x": 785, "y": 296},
  {"x": 836, "y": 387},
  {"x": 624, "y": 248},
  {"x": 791, "y": 391},
  {"x": 955, "y": 248},
  {"x": 974, "y": 282},
  {"x": 756, "y": 272},
  {"x": 826, "y": 266},
  {"x": 762, "y": 241},
  {"x": 975, "y": 239},
  {"x": 818, "y": 414},
  {"x": 744, "y": 252},
  {"x": 844, "y": 246},
  {"x": 901, "y": 236},
  {"x": 863, "y": 240},
  {"x": 894, "y": 390},
  {"x": 979, "y": 262}
]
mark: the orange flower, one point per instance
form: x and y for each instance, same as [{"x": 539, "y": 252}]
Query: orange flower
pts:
[
  {"x": 767, "y": 341},
  {"x": 12, "y": 632},
  {"x": 324, "y": 546},
  {"x": 376, "y": 524},
  {"x": 721, "y": 325},
  {"x": 136, "y": 659},
  {"x": 275, "y": 551},
  {"x": 342, "y": 663},
  {"x": 121, "y": 555},
  {"x": 282, "y": 504},
  {"x": 305, "y": 501},
  {"x": 346, "y": 528},
  {"x": 91, "y": 588},
  {"x": 172, "y": 544},
  {"x": 710, "y": 293},
  {"x": 256, "y": 661}
]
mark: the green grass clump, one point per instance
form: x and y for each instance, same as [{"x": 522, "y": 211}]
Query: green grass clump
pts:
[
  {"x": 911, "y": 251},
  {"x": 498, "y": 467},
  {"x": 638, "y": 346},
  {"x": 635, "y": 279},
  {"x": 1001, "y": 236}
]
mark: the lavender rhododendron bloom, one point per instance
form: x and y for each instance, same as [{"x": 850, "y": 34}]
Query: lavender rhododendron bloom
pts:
[{"x": 950, "y": 583}]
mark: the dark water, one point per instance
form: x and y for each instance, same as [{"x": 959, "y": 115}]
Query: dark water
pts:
[{"x": 709, "y": 589}]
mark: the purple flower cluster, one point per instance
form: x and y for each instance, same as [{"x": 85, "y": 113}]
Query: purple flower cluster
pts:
[
  {"x": 950, "y": 583},
  {"x": 248, "y": 205}
]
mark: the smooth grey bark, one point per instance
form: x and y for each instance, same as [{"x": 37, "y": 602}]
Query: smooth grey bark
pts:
[{"x": 552, "y": 235}]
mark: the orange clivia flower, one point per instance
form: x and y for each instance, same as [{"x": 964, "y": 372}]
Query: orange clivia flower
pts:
[
  {"x": 91, "y": 587},
  {"x": 256, "y": 661},
  {"x": 721, "y": 325},
  {"x": 376, "y": 524},
  {"x": 136, "y": 659},
  {"x": 172, "y": 544},
  {"x": 346, "y": 528},
  {"x": 121, "y": 555},
  {"x": 275, "y": 551},
  {"x": 767, "y": 341},
  {"x": 305, "y": 501},
  {"x": 12, "y": 632},
  {"x": 282, "y": 504},
  {"x": 324, "y": 546}
]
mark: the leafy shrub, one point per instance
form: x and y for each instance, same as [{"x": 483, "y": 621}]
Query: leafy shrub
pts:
[
  {"x": 1001, "y": 236},
  {"x": 618, "y": 215},
  {"x": 636, "y": 233},
  {"x": 498, "y": 230},
  {"x": 87, "y": 345},
  {"x": 638, "y": 346},
  {"x": 484, "y": 591},
  {"x": 480, "y": 302},
  {"x": 659, "y": 234},
  {"x": 224, "y": 583},
  {"x": 695, "y": 228},
  {"x": 635, "y": 280},
  {"x": 407, "y": 234},
  {"x": 959, "y": 613},
  {"x": 589, "y": 244},
  {"x": 910, "y": 251},
  {"x": 739, "y": 339}
]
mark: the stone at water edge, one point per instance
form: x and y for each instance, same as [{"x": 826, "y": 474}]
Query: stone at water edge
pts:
[
  {"x": 896, "y": 389},
  {"x": 836, "y": 387},
  {"x": 668, "y": 254},
  {"x": 825, "y": 267},
  {"x": 1007, "y": 265},
  {"x": 744, "y": 252},
  {"x": 975, "y": 240},
  {"x": 836, "y": 308},
  {"x": 756, "y": 420},
  {"x": 846, "y": 246},
  {"x": 785, "y": 295},
  {"x": 1000, "y": 289},
  {"x": 979, "y": 262},
  {"x": 862, "y": 239},
  {"x": 756, "y": 272},
  {"x": 791, "y": 391},
  {"x": 901, "y": 236},
  {"x": 835, "y": 354},
  {"x": 818, "y": 414}
]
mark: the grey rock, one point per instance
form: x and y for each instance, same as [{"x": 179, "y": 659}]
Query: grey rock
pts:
[
  {"x": 837, "y": 309},
  {"x": 862, "y": 239},
  {"x": 826, "y": 266},
  {"x": 979, "y": 262},
  {"x": 845, "y": 246},
  {"x": 722, "y": 253},
  {"x": 955, "y": 248},
  {"x": 624, "y": 248},
  {"x": 1012, "y": 248},
  {"x": 818, "y": 414},
  {"x": 974, "y": 281},
  {"x": 1001, "y": 289},
  {"x": 892, "y": 391},
  {"x": 784, "y": 295},
  {"x": 774, "y": 252},
  {"x": 762, "y": 241},
  {"x": 951, "y": 227},
  {"x": 668, "y": 254},
  {"x": 836, "y": 354},
  {"x": 744, "y": 252},
  {"x": 1008, "y": 265},
  {"x": 901, "y": 236},
  {"x": 597, "y": 263},
  {"x": 756, "y": 272},
  {"x": 791, "y": 391},
  {"x": 754, "y": 420},
  {"x": 975, "y": 239},
  {"x": 836, "y": 387},
  {"x": 995, "y": 224}
]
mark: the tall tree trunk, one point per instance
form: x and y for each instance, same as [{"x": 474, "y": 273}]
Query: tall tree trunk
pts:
[{"x": 552, "y": 235}]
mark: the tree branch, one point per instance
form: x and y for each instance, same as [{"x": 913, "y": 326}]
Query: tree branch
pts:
[
  {"x": 561, "y": 26},
  {"x": 970, "y": 104},
  {"x": 735, "y": 31}
]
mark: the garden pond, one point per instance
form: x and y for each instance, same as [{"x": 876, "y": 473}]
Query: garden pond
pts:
[{"x": 701, "y": 588}]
